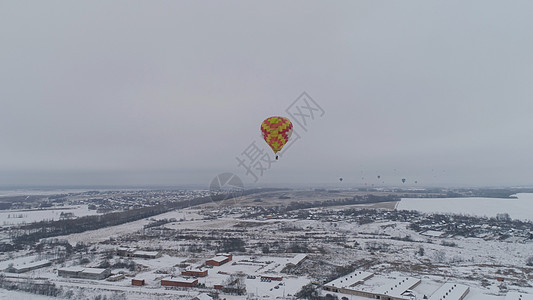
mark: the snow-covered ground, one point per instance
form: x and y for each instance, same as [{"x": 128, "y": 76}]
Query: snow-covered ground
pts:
[
  {"x": 17, "y": 295},
  {"x": 391, "y": 248},
  {"x": 20, "y": 216},
  {"x": 103, "y": 234},
  {"x": 520, "y": 208}
]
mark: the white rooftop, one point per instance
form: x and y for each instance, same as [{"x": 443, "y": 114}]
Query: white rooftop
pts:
[
  {"x": 350, "y": 279},
  {"x": 180, "y": 279},
  {"x": 518, "y": 296},
  {"x": 150, "y": 253},
  {"x": 84, "y": 270},
  {"x": 203, "y": 296},
  {"x": 195, "y": 268},
  {"x": 433, "y": 233},
  {"x": 397, "y": 287},
  {"x": 72, "y": 269},
  {"x": 449, "y": 291},
  {"x": 218, "y": 258},
  {"x": 94, "y": 270},
  {"x": 297, "y": 259},
  {"x": 32, "y": 264}
]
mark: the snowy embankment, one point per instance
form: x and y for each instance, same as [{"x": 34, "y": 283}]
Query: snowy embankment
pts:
[{"x": 518, "y": 208}]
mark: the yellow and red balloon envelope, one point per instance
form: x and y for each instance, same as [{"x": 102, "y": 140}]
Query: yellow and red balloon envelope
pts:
[{"x": 276, "y": 132}]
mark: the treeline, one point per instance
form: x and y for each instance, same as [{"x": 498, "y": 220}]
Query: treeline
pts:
[
  {"x": 31, "y": 233},
  {"x": 41, "y": 288},
  {"x": 362, "y": 199}
]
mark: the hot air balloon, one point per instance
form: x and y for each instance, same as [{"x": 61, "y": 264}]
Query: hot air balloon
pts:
[
  {"x": 403, "y": 180},
  {"x": 340, "y": 179},
  {"x": 379, "y": 176},
  {"x": 276, "y": 132}
]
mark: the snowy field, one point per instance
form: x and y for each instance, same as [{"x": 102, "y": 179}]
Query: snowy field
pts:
[
  {"x": 17, "y": 295},
  {"x": 521, "y": 208},
  {"x": 15, "y": 217},
  {"x": 99, "y": 235},
  {"x": 389, "y": 249}
]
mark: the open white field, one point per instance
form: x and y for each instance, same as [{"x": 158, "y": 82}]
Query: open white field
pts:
[
  {"x": 17, "y": 295},
  {"x": 15, "y": 217},
  {"x": 103, "y": 234},
  {"x": 520, "y": 208}
]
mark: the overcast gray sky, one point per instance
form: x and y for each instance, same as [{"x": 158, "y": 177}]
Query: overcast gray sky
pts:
[{"x": 168, "y": 92}]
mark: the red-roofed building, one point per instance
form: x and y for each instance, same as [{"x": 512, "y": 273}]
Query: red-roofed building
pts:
[
  {"x": 137, "y": 282},
  {"x": 273, "y": 278},
  {"x": 194, "y": 273},
  {"x": 219, "y": 260},
  {"x": 179, "y": 282}
]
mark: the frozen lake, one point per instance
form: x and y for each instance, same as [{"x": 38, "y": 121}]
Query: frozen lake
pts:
[{"x": 521, "y": 208}]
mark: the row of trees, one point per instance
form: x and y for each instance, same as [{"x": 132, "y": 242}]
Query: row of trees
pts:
[
  {"x": 41, "y": 288},
  {"x": 31, "y": 233}
]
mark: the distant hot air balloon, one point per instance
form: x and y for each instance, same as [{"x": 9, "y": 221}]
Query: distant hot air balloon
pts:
[
  {"x": 276, "y": 132},
  {"x": 340, "y": 179},
  {"x": 416, "y": 181},
  {"x": 379, "y": 176},
  {"x": 403, "y": 180}
]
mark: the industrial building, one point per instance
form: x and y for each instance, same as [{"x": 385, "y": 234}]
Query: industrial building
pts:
[
  {"x": 84, "y": 273},
  {"x": 179, "y": 282},
  {"x": 147, "y": 254},
  {"x": 347, "y": 282},
  {"x": 297, "y": 260},
  {"x": 518, "y": 296},
  {"x": 398, "y": 289},
  {"x": 450, "y": 291},
  {"x": 128, "y": 252},
  {"x": 115, "y": 277},
  {"x": 219, "y": 259},
  {"x": 137, "y": 282},
  {"x": 364, "y": 284},
  {"x": 271, "y": 278},
  {"x": 197, "y": 272},
  {"x": 29, "y": 266}
]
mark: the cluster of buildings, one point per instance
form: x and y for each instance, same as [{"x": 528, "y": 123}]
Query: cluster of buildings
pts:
[
  {"x": 128, "y": 252},
  {"x": 364, "y": 284},
  {"x": 189, "y": 277},
  {"x": 84, "y": 273}
]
